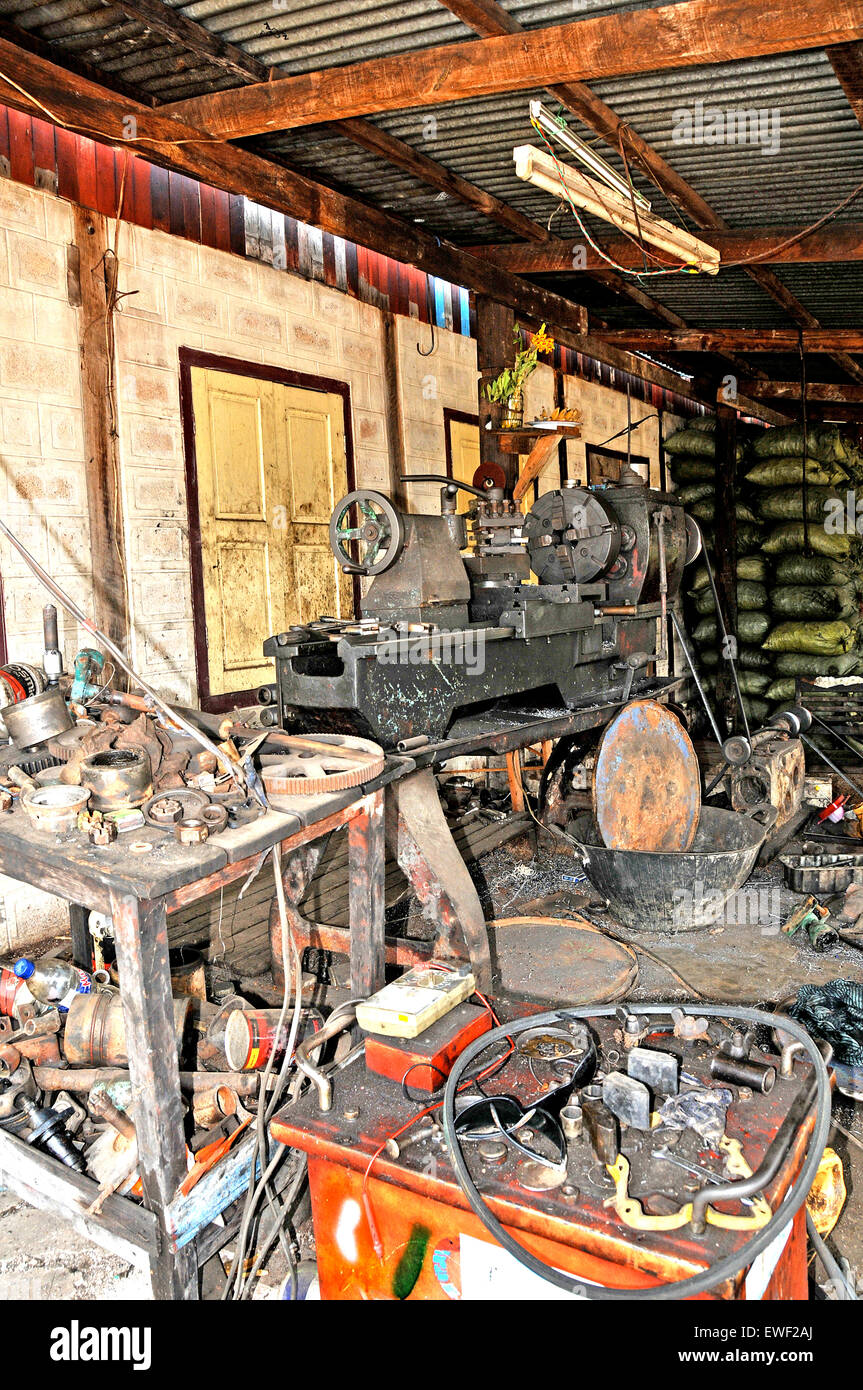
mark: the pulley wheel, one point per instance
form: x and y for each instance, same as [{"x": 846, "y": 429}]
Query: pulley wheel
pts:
[
  {"x": 366, "y": 532},
  {"x": 304, "y": 772},
  {"x": 489, "y": 475},
  {"x": 646, "y": 783}
]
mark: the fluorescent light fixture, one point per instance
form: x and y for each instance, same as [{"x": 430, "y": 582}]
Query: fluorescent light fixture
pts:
[
  {"x": 542, "y": 117},
  {"x": 536, "y": 167}
]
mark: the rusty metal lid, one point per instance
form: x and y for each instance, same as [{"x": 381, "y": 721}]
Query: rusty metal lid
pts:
[{"x": 646, "y": 782}]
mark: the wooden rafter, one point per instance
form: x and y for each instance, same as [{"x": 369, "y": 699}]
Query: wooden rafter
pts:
[
  {"x": 847, "y": 62},
  {"x": 826, "y": 340},
  {"x": 92, "y": 109},
  {"x": 487, "y": 17},
  {"x": 836, "y": 242},
  {"x": 820, "y": 391},
  {"x": 681, "y": 35}
]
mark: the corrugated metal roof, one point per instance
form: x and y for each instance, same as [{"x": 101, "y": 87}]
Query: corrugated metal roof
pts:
[{"x": 818, "y": 161}]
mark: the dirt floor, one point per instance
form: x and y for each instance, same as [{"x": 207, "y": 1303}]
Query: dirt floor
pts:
[{"x": 743, "y": 958}]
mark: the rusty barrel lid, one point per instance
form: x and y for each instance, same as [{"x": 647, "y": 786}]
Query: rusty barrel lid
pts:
[{"x": 646, "y": 781}]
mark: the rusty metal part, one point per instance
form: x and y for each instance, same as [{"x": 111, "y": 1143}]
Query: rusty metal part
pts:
[
  {"x": 68, "y": 745},
  {"x": 84, "y": 1078},
  {"x": 99, "y": 830},
  {"x": 335, "y": 1024},
  {"x": 95, "y": 1033},
  {"x": 190, "y": 800},
  {"x": 210, "y": 1107},
  {"x": 118, "y": 778},
  {"x": 215, "y": 818},
  {"x": 560, "y": 960},
  {"x": 10, "y": 1059},
  {"x": 775, "y": 773},
  {"x": 646, "y": 782},
  {"x": 55, "y": 809},
  {"x": 32, "y": 1025},
  {"x": 102, "y": 1105},
  {"x": 37, "y": 718},
  {"x": 316, "y": 770},
  {"x": 164, "y": 810},
  {"x": 6, "y": 799},
  {"x": 20, "y": 1082},
  {"x": 191, "y": 832}
]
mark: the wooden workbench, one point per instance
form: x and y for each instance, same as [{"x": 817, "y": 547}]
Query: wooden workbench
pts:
[{"x": 139, "y": 890}]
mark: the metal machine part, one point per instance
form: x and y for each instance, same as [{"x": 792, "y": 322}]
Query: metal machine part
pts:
[
  {"x": 191, "y": 831},
  {"x": 646, "y": 781},
  {"x": 366, "y": 533},
  {"x": 313, "y": 770},
  {"x": 442, "y": 632},
  {"x": 118, "y": 778},
  {"x": 774, "y": 772},
  {"x": 38, "y": 718},
  {"x": 48, "y": 1131},
  {"x": 54, "y": 809},
  {"x": 161, "y": 810}
]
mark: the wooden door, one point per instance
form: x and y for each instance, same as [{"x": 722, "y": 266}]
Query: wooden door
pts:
[
  {"x": 463, "y": 454},
  {"x": 270, "y": 462}
]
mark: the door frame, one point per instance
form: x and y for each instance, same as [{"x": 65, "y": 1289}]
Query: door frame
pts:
[
  {"x": 461, "y": 417},
  {"x": 259, "y": 371}
]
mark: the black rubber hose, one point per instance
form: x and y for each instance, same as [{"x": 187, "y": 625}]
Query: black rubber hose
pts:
[{"x": 725, "y": 1268}]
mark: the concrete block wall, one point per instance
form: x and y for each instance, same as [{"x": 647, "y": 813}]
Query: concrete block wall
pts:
[
  {"x": 603, "y": 413},
  {"x": 184, "y": 295},
  {"x": 445, "y": 378}
]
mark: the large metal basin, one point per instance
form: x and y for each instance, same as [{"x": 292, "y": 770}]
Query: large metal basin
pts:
[{"x": 650, "y": 890}]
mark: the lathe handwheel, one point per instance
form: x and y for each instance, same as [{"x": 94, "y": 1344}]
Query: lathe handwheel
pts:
[{"x": 366, "y": 532}]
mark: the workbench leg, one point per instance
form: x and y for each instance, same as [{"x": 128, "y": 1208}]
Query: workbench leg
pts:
[
  {"x": 82, "y": 942},
  {"x": 141, "y": 939},
  {"x": 366, "y": 865}
]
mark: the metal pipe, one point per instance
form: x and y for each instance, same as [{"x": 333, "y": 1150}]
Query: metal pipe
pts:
[
  {"x": 729, "y": 659},
  {"x": 679, "y": 630},
  {"x": 343, "y": 1018}
]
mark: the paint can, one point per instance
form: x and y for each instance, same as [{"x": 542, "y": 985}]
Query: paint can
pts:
[
  {"x": 13, "y": 993},
  {"x": 95, "y": 1034},
  {"x": 251, "y": 1038}
]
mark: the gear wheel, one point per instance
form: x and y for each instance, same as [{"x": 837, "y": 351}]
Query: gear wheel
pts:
[{"x": 309, "y": 773}]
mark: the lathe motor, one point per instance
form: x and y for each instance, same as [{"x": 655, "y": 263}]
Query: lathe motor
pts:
[{"x": 452, "y": 621}]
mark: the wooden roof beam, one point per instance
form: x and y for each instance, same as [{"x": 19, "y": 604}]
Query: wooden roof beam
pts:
[
  {"x": 486, "y": 16},
  {"x": 824, "y": 340},
  {"x": 686, "y": 34},
  {"x": 835, "y": 242}
]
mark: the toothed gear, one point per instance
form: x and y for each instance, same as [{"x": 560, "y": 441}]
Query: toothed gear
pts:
[{"x": 307, "y": 773}]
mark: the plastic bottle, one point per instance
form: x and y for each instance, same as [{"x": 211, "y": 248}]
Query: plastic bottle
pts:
[
  {"x": 53, "y": 982},
  {"x": 13, "y": 993}
]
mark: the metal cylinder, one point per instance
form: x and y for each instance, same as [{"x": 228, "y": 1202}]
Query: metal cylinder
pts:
[
  {"x": 209, "y": 1107},
  {"x": 95, "y": 1032},
  {"x": 37, "y": 718},
  {"x": 188, "y": 974},
  {"x": 51, "y": 635},
  {"x": 758, "y": 1076},
  {"x": 10, "y": 988},
  {"x": 118, "y": 778},
  {"x": 251, "y": 1038}
]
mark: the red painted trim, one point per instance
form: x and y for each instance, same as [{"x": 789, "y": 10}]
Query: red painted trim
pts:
[{"x": 189, "y": 358}]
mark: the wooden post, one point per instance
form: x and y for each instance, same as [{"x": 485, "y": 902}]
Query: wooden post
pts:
[
  {"x": 97, "y": 271},
  {"x": 141, "y": 938},
  {"x": 366, "y": 851},
  {"x": 725, "y": 548},
  {"x": 494, "y": 351}
]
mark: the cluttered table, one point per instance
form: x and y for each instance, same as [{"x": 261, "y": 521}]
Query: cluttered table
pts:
[
  {"x": 392, "y": 1221},
  {"x": 137, "y": 880}
]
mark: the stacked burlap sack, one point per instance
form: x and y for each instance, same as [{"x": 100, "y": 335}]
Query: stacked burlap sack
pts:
[
  {"x": 691, "y": 454},
  {"x": 799, "y": 611}
]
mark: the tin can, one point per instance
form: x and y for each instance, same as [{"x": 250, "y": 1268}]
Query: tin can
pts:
[
  {"x": 251, "y": 1038},
  {"x": 95, "y": 1034}
]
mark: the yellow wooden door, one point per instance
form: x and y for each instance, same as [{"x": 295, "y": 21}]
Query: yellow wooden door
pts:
[
  {"x": 464, "y": 452},
  {"x": 271, "y": 464}
]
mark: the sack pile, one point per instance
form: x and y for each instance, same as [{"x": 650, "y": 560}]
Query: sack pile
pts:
[{"x": 799, "y": 611}]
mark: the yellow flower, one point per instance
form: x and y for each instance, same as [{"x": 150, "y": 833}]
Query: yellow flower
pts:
[{"x": 542, "y": 341}]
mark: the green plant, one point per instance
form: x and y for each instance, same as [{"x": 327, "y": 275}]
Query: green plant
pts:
[{"x": 512, "y": 379}]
